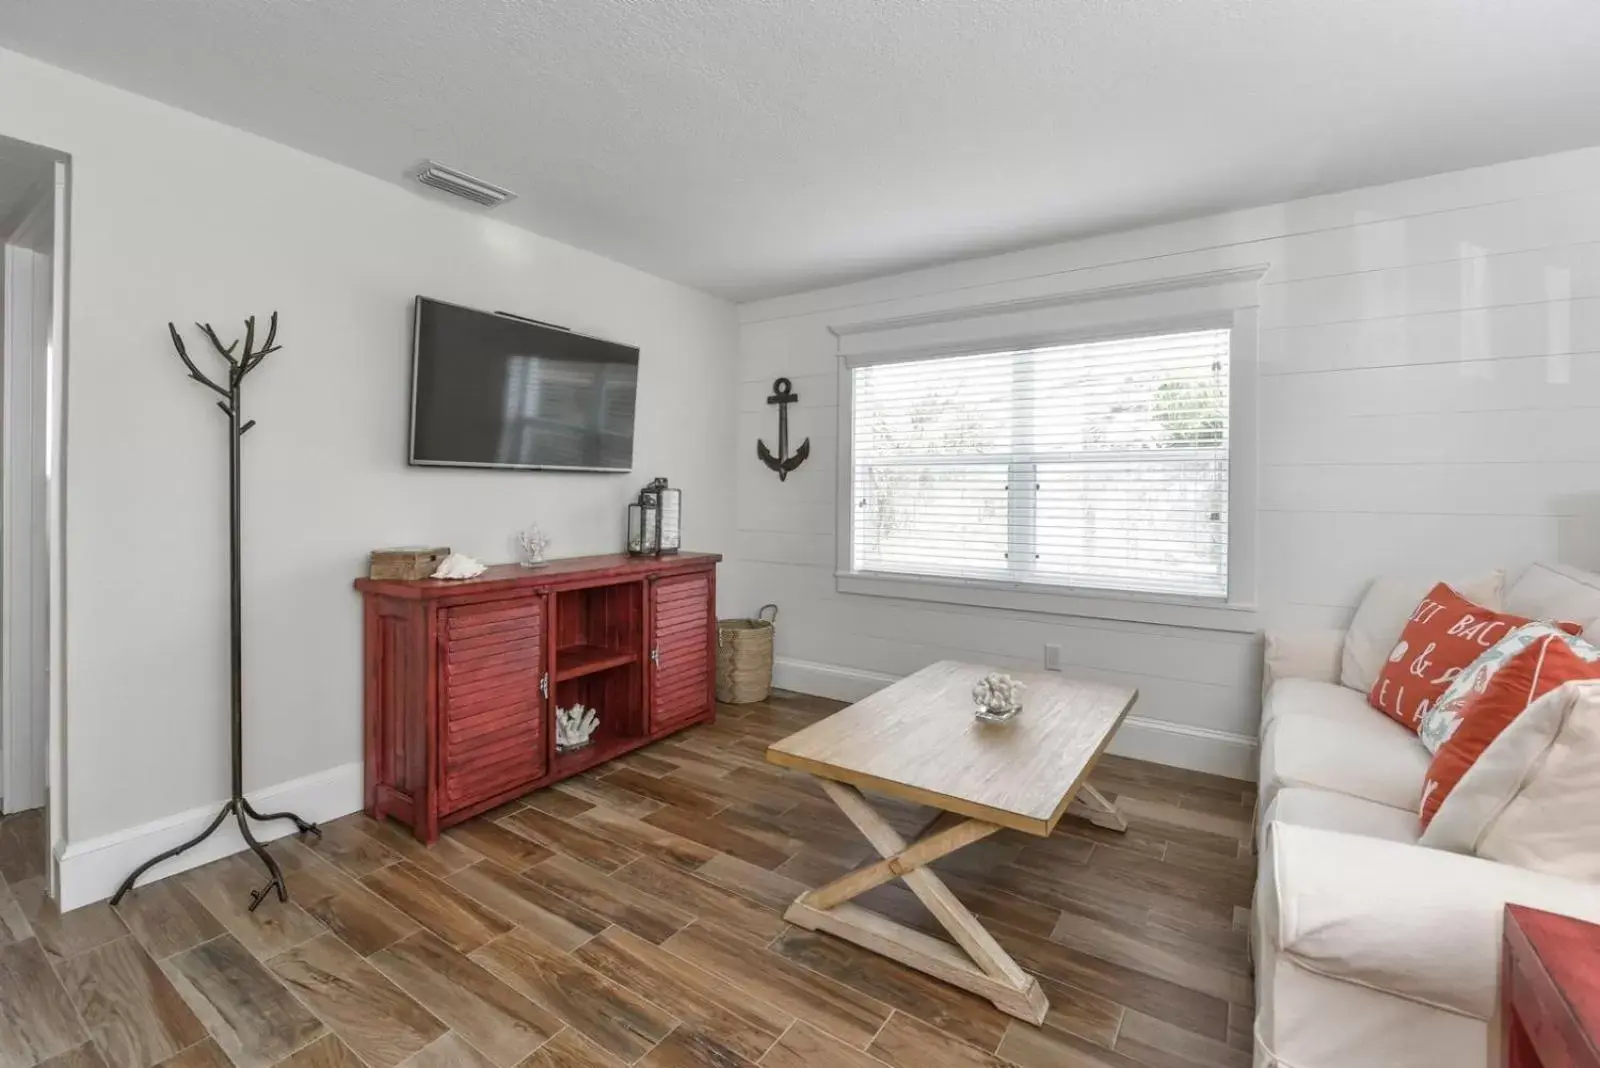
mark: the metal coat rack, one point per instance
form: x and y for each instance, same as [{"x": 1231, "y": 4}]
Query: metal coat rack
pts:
[{"x": 237, "y": 805}]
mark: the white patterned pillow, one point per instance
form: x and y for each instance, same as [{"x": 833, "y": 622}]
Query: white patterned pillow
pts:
[{"x": 1440, "y": 721}]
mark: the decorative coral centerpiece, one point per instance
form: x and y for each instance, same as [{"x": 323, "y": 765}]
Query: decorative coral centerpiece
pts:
[
  {"x": 459, "y": 566},
  {"x": 998, "y": 697},
  {"x": 575, "y": 727}
]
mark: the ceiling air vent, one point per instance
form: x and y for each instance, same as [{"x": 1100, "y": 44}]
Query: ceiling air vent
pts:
[{"x": 461, "y": 184}]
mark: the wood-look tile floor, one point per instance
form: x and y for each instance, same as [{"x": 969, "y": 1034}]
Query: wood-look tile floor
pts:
[{"x": 633, "y": 916}]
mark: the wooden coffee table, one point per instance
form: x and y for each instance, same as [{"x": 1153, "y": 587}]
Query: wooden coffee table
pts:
[{"x": 918, "y": 740}]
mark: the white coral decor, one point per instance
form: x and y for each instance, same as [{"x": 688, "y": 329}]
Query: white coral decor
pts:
[
  {"x": 575, "y": 725},
  {"x": 997, "y": 692},
  {"x": 459, "y": 566}
]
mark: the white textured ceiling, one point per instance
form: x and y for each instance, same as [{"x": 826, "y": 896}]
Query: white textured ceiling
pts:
[{"x": 754, "y": 148}]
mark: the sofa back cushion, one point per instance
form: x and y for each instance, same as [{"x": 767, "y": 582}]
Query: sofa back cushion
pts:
[
  {"x": 1444, "y": 635},
  {"x": 1556, "y": 591},
  {"x": 1530, "y": 670},
  {"x": 1386, "y": 607}
]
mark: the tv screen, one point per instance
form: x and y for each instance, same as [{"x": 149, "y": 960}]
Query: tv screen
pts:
[{"x": 493, "y": 390}]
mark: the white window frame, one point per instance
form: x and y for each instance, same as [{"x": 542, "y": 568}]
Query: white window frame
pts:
[{"x": 1226, "y": 299}]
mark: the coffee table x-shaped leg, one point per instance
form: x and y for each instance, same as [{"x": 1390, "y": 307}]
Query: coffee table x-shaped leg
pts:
[{"x": 981, "y": 965}]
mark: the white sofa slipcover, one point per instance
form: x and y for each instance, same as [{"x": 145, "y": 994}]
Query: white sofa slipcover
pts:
[{"x": 1371, "y": 949}]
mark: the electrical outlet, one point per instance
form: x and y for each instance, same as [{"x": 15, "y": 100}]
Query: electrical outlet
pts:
[{"x": 1052, "y": 658}]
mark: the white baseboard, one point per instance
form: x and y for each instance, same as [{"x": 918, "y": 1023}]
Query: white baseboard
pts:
[
  {"x": 1176, "y": 744},
  {"x": 1180, "y": 745},
  {"x": 92, "y": 869},
  {"x": 827, "y": 680}
]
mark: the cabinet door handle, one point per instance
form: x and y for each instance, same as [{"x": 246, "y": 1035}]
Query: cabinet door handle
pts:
[
  {"x": 544, "y": 684},
  {"x": 655, "y": 657}
]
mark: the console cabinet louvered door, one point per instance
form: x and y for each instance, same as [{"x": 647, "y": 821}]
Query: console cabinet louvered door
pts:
[
  {"x": 493, "y": 690},
  {"x": 682, "y": 648}
]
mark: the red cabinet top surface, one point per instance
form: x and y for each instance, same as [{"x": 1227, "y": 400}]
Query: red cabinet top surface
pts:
[{"x": 610, "y": 567}]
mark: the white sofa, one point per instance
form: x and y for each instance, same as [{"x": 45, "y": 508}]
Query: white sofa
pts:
[{"x": 1371, "y": 949}]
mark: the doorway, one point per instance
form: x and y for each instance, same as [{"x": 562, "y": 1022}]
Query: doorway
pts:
[{"x": 33, "y": 194}]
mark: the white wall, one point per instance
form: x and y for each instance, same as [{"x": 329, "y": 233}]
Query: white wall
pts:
[
  {"x": 176, "y": 217},
  {"x": 1429, "y": 382}
]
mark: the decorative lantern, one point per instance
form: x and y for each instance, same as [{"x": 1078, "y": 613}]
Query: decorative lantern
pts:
[{"x": 653, "y": 520}]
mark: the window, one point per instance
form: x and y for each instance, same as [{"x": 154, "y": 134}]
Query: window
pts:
[{"x": 1091, "y": 466}]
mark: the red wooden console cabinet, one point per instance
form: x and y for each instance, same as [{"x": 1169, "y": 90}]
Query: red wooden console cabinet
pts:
[
  {"x": 463, "y": 677},
  {"x": 1549, "y": 990}
]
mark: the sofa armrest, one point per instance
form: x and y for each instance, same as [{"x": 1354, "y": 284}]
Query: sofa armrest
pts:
[
  {"x": 1407, "y": 920},
  {"x": 1302, "y": 654}
]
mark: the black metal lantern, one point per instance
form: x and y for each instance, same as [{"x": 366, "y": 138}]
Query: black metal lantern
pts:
[{"x": 653, "y": 520}]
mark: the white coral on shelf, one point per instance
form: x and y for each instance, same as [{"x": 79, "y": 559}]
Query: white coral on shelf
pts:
[
  {"x": 997, "y": 692},
  {"x": 575, "y": 725},
  {"x": 459, "y": 566}
]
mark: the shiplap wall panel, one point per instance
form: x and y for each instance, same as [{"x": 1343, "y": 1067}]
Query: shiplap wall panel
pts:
[
  {"x": 1450, "y": 489},
  {"x": 903, "y": 650},
  {"x": 1428, "y": 379},
  {"x": 1524, "y": 382},
  {"x": 1557, "y": 326}
]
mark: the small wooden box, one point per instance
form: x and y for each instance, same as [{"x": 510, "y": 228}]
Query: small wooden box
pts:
[{"x": 406, "y": 562}]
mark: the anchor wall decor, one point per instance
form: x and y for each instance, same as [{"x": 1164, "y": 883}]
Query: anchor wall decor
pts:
[{"x": 783, "y": 395}]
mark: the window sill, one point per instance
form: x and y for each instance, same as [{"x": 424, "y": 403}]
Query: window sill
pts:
[{"x": 1124, "y": 607}]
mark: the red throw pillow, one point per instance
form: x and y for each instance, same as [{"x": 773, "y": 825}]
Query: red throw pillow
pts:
[
  {"x": 1445, "y": 634},
  {"x": 1521, "y": 681}
]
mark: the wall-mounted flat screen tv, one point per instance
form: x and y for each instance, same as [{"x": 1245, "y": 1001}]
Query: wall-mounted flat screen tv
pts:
[{"x": 492, "y": 390}]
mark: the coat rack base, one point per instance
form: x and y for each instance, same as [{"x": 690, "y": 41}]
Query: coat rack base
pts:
[{"x": 242, "y": 811}]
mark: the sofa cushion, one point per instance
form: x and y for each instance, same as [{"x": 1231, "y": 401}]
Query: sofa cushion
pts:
[
  {"x": 1530, "y": 798},
  {"x": 1339, "y": 812},
  {"x": 1368, "y": 756},
  {"x": 1382, "y": 614},
  {"x": 1319, "y": 700},
  {"x": 1301, "y": 654},
  {"x": 1530, "y": 673},
  {"x": 1554, "y": 591}
]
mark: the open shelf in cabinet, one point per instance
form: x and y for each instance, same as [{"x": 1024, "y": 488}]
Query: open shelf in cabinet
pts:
[
  {"x": 576, "y": 661},
  {"x": 598, "y": 752},
  {"x": 617, "y": 694},
  {"x": 598, "y": 628}
]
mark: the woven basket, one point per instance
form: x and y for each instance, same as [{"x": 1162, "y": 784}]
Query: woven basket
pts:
[{"x": 744, "y": 658}]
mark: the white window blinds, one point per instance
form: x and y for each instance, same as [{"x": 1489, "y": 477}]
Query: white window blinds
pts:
[{"x": 1101, "y": 465}]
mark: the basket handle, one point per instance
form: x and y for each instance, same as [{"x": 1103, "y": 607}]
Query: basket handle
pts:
[{"x": 762, "y": 614}]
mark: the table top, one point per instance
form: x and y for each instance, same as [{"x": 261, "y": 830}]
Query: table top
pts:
[
  {"x": 918, "y": 740},
  {"x": 1569, "y": 950}
]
